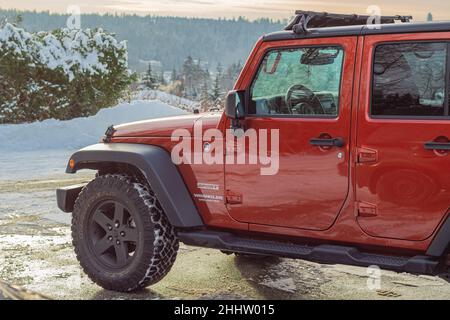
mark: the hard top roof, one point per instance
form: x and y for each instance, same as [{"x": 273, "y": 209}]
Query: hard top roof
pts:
[{"x": 337, "y": 25}]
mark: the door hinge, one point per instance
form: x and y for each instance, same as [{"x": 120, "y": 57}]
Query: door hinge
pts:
[
  {"x": 367, "y": 155},
  {"x": 233, "y": 198},
  {"x": 367, "y": 210}
]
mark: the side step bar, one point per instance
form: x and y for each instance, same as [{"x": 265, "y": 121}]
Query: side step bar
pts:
[{"x": 326, "y": 254}]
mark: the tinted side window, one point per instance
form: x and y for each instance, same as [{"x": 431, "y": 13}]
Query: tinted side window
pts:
[
  {"x": 410, "y": 80},
  {"x": 301, "y": 81}
]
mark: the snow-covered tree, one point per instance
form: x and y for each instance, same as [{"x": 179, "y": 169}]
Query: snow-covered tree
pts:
[
  {"x": 150, "y": 80},
  {"x": 217, "y": 90},
  {"x": 174, "y": 75},
  {"x": 162, "y": 79},
  {"x": 205, "y": 98},
  {"x": 60, "y": 74}
]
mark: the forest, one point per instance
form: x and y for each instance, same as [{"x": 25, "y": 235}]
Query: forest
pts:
[
  {"x": 198, "y": 59},
  {"x": 168, "y": 40}
]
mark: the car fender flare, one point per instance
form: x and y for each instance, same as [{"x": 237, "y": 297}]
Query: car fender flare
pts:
[{"x": 156, "y": 165}]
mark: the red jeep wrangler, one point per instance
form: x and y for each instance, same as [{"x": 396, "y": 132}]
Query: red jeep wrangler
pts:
[{"x": 361, "y": 114}]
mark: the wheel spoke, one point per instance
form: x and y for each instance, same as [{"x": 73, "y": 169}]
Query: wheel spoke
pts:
[
  {"x": 102, "y": 220},
  {"x": 102, "y": 245},
  {"x": 119, "y": 212},
  {"x": 121, "y": 254},
  {"x": 112, "y": 247},
  {"x": 131, "y": 235}
]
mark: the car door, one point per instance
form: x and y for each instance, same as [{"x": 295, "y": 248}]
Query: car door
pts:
[
  {"x": 303, "y": 89},
  {"x": 403, "y": 174}
]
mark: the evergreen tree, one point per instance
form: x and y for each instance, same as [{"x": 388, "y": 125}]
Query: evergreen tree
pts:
[
  {"x": 173, "y": 78},
  {"x": 209, "y": 39},
  {"x": 230, "y": 76},
  {"x": 217, "y": 90},
  {"x": 18, "y": 20},
  {"x": 162, "y": 80},
  {"x": 189, "y": 75},
  {"x": 205, "y": 99},
  {"x": 150, "y": 81},
  {"x": 219, "y": 68},
  {"x": 34, "y": 89}
]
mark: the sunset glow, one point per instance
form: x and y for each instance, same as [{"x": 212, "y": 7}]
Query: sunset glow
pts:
[{"x": 234, "y": 8}]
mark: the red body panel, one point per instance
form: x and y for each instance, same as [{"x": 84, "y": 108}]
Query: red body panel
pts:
[
  {"x": 409, "y": 185},
  {"x": 312, "y": 184},
  {"x": 317, "y": 194},
  {"x": 214, "y": 213},
  {"x": 156, "y": 127}
]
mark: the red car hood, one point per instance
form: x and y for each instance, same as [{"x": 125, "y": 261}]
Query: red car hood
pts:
[{"x": 164, "y": 127}]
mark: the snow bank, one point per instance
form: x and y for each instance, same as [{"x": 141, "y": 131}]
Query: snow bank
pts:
[
  {"x": 170, "y": 99},
  {"x": 80, "y": 132}
]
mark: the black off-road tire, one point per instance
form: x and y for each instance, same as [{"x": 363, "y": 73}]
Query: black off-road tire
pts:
[
  {"x": 446, "y": 273},
  {"x": 155, "y": 249}
]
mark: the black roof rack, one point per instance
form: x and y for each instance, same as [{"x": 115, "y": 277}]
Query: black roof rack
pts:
[{"x": 311, "y": 19}]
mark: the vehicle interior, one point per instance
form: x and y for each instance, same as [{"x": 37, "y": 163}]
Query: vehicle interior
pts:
[
  {"x": 298, "y": 82},
  {"x": 410, "y": 79}
]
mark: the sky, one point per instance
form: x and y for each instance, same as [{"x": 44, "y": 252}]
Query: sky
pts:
[{"x": 252, "y": 9}]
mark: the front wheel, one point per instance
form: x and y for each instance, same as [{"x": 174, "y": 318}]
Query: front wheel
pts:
[{"x": 121, "y": 235}]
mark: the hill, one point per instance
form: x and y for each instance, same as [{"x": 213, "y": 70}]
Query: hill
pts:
[{"x": 168, "y": 40}]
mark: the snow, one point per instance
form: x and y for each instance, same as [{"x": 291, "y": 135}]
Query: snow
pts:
[
  {"x": 14, "y": 38},
  {"x": 32, "y": 165},
  {"x": 75, "y": 49},
  {"x": 66, "y": 49},
  {"x": 50, "y": 143},
  {"x": 285, "y": 284},
  {"x": 170, "y": 99},
  {"x": 77, "y": 133}
]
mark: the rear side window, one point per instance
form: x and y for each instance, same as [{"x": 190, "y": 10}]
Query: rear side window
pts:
[{"x": 410, "y": 80}]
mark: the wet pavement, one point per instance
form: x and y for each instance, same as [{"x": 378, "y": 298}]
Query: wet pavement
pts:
[{"x": 36, "y": 253}]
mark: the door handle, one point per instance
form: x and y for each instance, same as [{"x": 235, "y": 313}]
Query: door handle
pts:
[
  {"x": 332, "y": 142},
  {"x": 437, "y": 146}
]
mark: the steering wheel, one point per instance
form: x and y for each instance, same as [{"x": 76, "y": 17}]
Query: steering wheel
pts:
[{"x": 308, "y": 103}]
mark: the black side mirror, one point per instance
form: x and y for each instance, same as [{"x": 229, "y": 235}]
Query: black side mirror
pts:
[{"x": 235, "y": 105}]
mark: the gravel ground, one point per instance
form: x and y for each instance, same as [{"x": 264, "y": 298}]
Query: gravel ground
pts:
[{"x": 36, "y": 253}]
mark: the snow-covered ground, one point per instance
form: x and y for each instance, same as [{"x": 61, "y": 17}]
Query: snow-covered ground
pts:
[
  {"x": 76, "y": 133},
  {"x": 33, "y": 157},
  {"x": 172, "y": 100},
  {"x": 32, "y": 165},
  {"x": 41, "y": 149}
]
